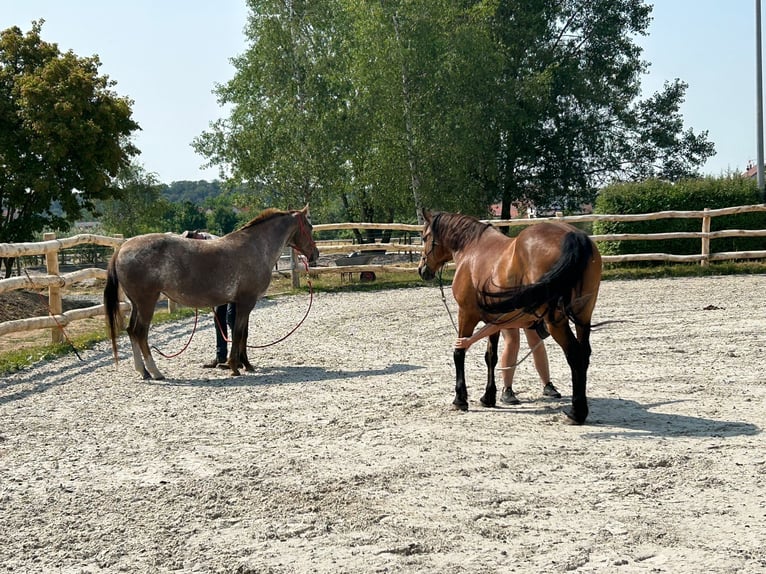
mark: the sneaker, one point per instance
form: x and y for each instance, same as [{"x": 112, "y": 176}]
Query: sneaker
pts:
[
  {"x": 214, "y": 363},
  {"x": 509, "y": 397},
  {"x": 550, "y": 391}
]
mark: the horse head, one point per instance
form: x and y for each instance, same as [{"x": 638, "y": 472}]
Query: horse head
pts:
[
  {"x": 303, "y": 238},
  {"x": 435, "y": 253}
]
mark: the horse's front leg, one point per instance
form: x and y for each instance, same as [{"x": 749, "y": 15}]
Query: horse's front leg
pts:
[
  {"x": 238, "y": 342},
  {"x": 461, "y": 391},
  {"x": 466, "y": 326},
  {"x": 490, "y": 358},
  {"x": 243, "y": 353}
]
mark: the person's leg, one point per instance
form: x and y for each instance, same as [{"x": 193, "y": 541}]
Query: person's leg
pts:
[
  {"x": 221, "y": 347},
  {"x": 540, "y": 359},
  {"x": 511, "y": 342}
]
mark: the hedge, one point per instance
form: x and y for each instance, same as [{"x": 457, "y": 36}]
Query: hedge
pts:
[{"x": 688, "y": 195}]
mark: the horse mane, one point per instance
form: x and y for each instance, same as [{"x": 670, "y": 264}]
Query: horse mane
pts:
[
  {"x": 265, "y": 215},
  {"x": 456, "y": 230}
]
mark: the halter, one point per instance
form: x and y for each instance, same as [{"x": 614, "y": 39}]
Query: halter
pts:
[{"x": 304, "y": 232}]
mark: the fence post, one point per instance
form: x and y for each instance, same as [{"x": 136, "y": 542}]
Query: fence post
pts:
[
  {"x": 705, "y": 238},
  {"x": 294, "y": 271},
  {"x": 54, "y": 291}
]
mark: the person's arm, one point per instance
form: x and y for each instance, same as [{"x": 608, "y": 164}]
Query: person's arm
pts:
[{"x": 485, "y": 331}]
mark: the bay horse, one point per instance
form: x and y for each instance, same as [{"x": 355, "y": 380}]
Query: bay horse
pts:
[
  {"x": 544, "y": 278},
  {"x": 235, "y": 268}
]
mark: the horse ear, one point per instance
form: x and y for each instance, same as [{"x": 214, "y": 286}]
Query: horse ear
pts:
[{"x": 427, "y": 215}]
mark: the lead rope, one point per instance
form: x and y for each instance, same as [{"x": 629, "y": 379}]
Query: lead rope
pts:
[
  {"x": 194, "y": 330},
  {"x": 444, "y": 300},
  {"x": 311, "y": 301}
]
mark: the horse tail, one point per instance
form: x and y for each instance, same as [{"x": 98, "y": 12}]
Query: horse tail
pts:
[
  {"x": 554, "y": 287},
  {"x": 112, "y": 304}
]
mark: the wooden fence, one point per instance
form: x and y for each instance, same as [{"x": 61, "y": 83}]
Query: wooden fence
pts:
[{"x": 55, "y": 282}]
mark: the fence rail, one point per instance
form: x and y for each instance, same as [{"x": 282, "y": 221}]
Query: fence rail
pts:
[{"x": 55, "y": 281}]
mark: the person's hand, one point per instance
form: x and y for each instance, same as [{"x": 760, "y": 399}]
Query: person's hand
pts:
[{"x": 462, "y": 343}]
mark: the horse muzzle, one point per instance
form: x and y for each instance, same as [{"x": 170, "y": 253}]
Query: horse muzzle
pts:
[{"x": 425, "y": 272}]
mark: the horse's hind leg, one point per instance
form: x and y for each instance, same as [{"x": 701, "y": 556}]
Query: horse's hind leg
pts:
[
  {"x": 139, "y": 335},
  {"x": 490, "y": 358},
  {"x": 577, "y": 353},
  {"x": 138, "y": 361}
]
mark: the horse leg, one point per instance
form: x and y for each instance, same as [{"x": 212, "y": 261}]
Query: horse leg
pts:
[
  {"x": 243, "y": 353},
  {"x": 490, "y": 358},
  {"x": 138, "y": 362},
  {"x": 140, "y": 335},
  {"x": 239, "y": 338},
  {"x": 577, "y": 353},
  {"x": 461, "y": 391}
]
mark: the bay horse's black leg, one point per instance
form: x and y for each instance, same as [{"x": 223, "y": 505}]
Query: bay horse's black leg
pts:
[
  {"x": 578, "y": 357},
  {"x": 490, "y": 358},
  {"x": 461, "y": 392}
]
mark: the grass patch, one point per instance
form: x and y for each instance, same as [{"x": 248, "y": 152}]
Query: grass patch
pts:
[{"x": 18, "y": 359}]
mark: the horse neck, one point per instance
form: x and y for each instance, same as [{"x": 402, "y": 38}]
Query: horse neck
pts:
[
  {"x": 487, "y": 238},
  {"x": 274, "y": 232}
]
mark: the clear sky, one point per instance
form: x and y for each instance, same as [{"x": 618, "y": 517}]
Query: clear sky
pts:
[{"x": 167, "y": 55}]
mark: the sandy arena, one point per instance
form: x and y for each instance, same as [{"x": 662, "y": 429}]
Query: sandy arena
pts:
[{"x": 341, "y": 453}]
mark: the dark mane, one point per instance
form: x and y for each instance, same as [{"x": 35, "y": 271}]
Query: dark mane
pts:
[
  {"x": 455, "y": 230},
  {"x": 265, "y": 215}
]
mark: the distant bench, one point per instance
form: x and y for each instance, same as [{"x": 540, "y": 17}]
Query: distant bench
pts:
[{"x": 359, "y": 258}]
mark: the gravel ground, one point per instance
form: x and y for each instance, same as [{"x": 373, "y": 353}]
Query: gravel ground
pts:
[{"x": 341, "y": 453}]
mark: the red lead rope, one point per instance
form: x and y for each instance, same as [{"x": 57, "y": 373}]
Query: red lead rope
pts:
[{"x": 311, "y": 301}]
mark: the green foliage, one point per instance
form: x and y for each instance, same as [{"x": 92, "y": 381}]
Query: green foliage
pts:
[
  {"x": 139, "y": 206},
  {"x": 686, "y": 195},
  {"x": 194, "y": 191},
  {"x": 187, "y": 216},
  {"x": 374, "y": 110},
  {"x": 64, "y": 135}
]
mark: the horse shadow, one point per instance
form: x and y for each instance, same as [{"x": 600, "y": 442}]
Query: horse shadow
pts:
[
  {"x": 288, "y": 375},
  {"x": 30, "y": 382},
  {"x": 637, "y": 420},
  {"x": 612, "y": 418}
]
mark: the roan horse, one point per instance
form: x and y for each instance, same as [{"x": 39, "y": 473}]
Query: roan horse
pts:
[
  {"x": 546, "y": 277},
  {"x": 235, "y": 268}
]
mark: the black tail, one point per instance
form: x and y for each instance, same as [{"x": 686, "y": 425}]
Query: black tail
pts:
[
  {"x": 112, "y": 305},
  {"x": 554, "y": 286}
]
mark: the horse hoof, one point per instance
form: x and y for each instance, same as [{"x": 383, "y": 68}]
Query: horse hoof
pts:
[
  {"x": 235, "y": 372},
  {"x": 457, "y": 406},
  {"x": 573, "y": 419},
  {"x": 159, "y": 377},
  {"x": 487, "y": 402}
]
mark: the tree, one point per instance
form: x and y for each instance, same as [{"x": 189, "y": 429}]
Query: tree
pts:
[
  {"x": 287, "y": 105},
  {"x": 138, "y": 206},
  {"x": 186, "y": 216},
  {"x": 395, "y": 105},
  {"x": 64, "y": 135},
  {"x": 565, "y": 103}
]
